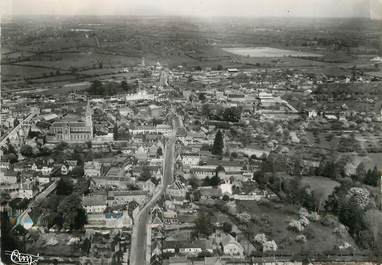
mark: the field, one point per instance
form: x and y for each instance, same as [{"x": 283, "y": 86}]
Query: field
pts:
[
  {"x": 320, "y": 185},
  {"x": 273, "y": 220},
  {"x": 10, "y": 72},
  {"x": 269, "y": 52},
  {"x": 65, "y": 60}
]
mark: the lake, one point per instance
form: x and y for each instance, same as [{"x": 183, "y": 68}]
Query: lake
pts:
[{"x": 269, "y": 52}]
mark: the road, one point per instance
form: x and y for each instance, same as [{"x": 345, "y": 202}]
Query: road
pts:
[
  {"x": 18, "y": 127},
  {"x": 35, "y": 202},
  {"x": 138, "y": 241}
]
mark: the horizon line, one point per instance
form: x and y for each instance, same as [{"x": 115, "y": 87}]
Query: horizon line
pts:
[{"x": 186, "y": 16}]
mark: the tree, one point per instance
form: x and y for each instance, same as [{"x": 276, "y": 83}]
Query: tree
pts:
[
  {"x": 146, "y": 174},
  {"x": 15, "y": 122},
  {"x": 360, "y": 172},
  {"x": 43, "y": 125},
  {"x": 64, "y": 187},
  {"x": 194, "y": 182},
  {"x": 206, "y": 109},
  {"x": 124, "y": 85},
  {"x": 227, "y": 227},
  {"x": 353, "y": 217},
  {"x": 4, "y": 197},
  {"x": 115, "y": 131},
  {"x": 73, "y": 214},
  {"x": 218, "y": 146},
  {"x": 203, "y": 225},
  {"x": 372, "y": 177},
  {"x": 219, "y": 67},
  {"x": 10, "y": 157},
  {"x": 77, "y": 172},
  {"x": 159, "y": 152},
  {"x": 202, "y": 97},
  {"x": 232, "y": 114},
  {"x": 26, "y": 150},
  {"x": 73, "y": 70},
  {"x": 96, "y": 88},
  {"x": 213, "y": 181}
]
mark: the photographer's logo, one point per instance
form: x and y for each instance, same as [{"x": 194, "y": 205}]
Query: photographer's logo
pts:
[{"x": 22, "y": 258}]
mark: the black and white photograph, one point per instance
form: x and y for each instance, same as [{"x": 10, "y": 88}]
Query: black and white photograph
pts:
[{"x": 191, "y": 132}]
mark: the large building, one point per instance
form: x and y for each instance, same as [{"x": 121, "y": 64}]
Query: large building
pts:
[{"x": 72, "y": 131}]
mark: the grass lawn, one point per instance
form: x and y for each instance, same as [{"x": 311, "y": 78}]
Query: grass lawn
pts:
[{"x": 321, "y": 185}]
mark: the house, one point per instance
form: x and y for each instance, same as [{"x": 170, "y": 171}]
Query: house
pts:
[
  {"x": 141, "y": 153},
  {"x": 4, "y": 165},
  {"x": 64, "y": 170},
  {"x": 226, "y": 188},
  {"x": 231, "y": 247},
  {"x": 195, "y": 247},
  {"x": 177, "y": 189},
  {"x": 43, "y": 179},
  {"x": 95, "y": 203},
  {"x": 124, "y": 197},
  {"x": 209, "y": 193},
  {"x": 45, "y": 171},
  {"x": 202, "y": 172},
  {"x": 190, "y": 159},
  {"x": 187, "y": 248},
  {"x": 7, "y": 177},
  {"x": 112, "y": 218},
  {"x": 147, "y": 185},
  {"x": 270, "y": 246},
  {"x": 113, "y": 177},
  {"x": 170, "y": 217},
  {"x": 92, "y": 169},
  {"x": 25, "y": 190}
]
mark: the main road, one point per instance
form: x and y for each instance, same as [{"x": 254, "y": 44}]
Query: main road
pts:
[{"x": 139, "y": 236}]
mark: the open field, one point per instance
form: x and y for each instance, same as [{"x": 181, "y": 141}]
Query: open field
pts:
[
  {"x": 19, "y": 72},
  {"x": 273, "y": 221},
  {"x": 83, "y": 59},
  {"x": 269, "y": 52}
]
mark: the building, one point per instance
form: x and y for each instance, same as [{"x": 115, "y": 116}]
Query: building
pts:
[
  {"x": 231, "y": 247},
  {"x": 72, "y": 131},
  {"x": 140, "y": 95},
  {"x": 190, "y": 159},
  {"x": 124, "y": 197},
  {"x": 92, "y": 169},
  {"x": 95, "y": 203},
  {"x": 187, "y": 248}
]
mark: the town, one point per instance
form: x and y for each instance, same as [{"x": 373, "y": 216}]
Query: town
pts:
[{"x": 216, "y": 162}]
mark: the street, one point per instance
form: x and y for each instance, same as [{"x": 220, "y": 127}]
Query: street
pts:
[{"x": 138, "y": 241}]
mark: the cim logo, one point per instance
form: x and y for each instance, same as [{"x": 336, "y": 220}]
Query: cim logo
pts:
[{"x": 22, "y": 258}]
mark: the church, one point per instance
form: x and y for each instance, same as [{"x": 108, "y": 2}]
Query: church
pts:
[{"x": 72, "y": 131}]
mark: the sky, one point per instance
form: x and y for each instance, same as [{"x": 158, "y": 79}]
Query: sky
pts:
[{"x": 204, "y": 8}]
